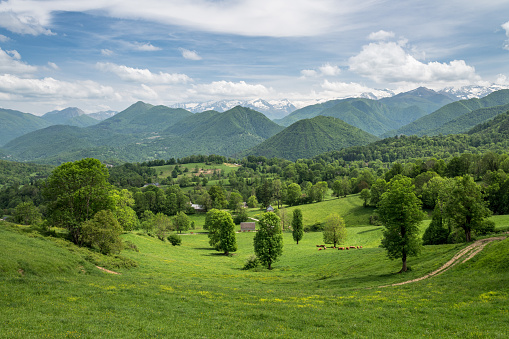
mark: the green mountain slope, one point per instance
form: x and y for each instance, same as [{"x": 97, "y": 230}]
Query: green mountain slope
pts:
[
  {"x": 309, "y": 137},
  {"x": 71, "y": 116},
  {"x": 469, "y": 120},
  {"x": 450, "y": 112},
  {"x": 375, "y": 116},
  {"x": 14, "y": 124},
  {"x": 143, "y": 118}
]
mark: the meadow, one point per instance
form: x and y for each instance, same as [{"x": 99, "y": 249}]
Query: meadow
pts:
[{"x": 47, "y": 290}]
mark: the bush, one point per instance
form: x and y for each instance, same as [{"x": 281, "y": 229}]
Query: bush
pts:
[
  {"x": 240, "y": 217},
  {"x": 175, "y": 239},
  {"x": 102, "y": 233},
  {"x": 251, "y": 262},
  {"x": 317, "y": 227},
  {"x": 486, "y": 227}
]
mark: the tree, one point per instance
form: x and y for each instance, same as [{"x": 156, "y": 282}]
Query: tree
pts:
[
  {"x": 334, "y": 231},
  {"x": 268, "y": 241},
  {"x": 400, "y": 212},
  {"x": 436, "y": 233},
  {"x": 221, "y": 231},
  {"x": 252, "y": 202},
  {"x": 365, "y": 195},
  {"x": 297, "y": 225},
  {"x": 235, "y": 203},
  {"x": 162, "y": 225},
  {"x": 319, "y": 190},
  {"x": 123, "y": 201},
  {"x": 102, "y": 233},
  {"x": 76, "y": 191},
  {"x": 217, "y": 195},
  {"x": 181, "y": 222},
  {"x": 293, "y": 194},
  {"x": 336, "y": 188},
  {"x": 27, "y": 213},
  {"x": 465, "y": 207},
  {"x": 376, "y": 191}
]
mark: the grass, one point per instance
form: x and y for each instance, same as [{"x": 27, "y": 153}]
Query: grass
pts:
[{"x": 192, "y": 290}]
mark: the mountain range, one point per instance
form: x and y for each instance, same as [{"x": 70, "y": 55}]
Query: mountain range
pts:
[{"x": 145, "y": 132}]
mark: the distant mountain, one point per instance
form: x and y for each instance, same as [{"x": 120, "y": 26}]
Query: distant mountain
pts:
[
  {"x": 71, "y": 116},
  {"x": 144, "y": 132},
  {"x": 309, "y": 137},
  {"x": 143, "y": 118},
  {"x": 450, "y": 112},
  {"x": 470, "y": 92},
  {"x": 14, "y": 124},
  {"x": 272, "y": 109},
  {"x": 102, "y": 115},
  {"x": 375, "y": 116}
]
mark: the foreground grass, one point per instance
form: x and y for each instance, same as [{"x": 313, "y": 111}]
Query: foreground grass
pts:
[{"x": 191, "y": 291}]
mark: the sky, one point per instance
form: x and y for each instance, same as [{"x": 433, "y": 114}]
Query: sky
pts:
[{"x": 106, "y": 55}]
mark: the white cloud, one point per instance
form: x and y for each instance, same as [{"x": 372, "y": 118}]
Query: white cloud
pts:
[
  {"x": 4, "y": 38},
  {"x": 228, "y": 89},
  {"x": 53, "y": 65},
  {"x": 329, "y": 70},
  {"x": 389, "y": 62},
  {"x": 242, "y": 17},
  {"x": 189, "y": 55},
  {"x": 324, "y": 70},
  {"x": 347, "y": 90},
  {"x": 502, "y": 80},
  {"x": 52, "y": 88},
  {"x": 381, "y": 35},
  {"x": 21, "y": 23},
  {"x": 309, "y": 73},
  {"x": 10, "y": 63},
  {"x": 107, "y": 52},
  {"x": 142, "y": 75},
  {"x": 506, "y": 28},
  {"x": 145, "y": 47}
]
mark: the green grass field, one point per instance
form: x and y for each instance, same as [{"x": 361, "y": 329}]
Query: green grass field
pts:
[{"x": 192, "y": 291}]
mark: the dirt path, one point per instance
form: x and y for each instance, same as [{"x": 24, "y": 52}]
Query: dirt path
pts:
[
  {"x": 462, "y": 256},
  {"x": 107, "y": 271}
]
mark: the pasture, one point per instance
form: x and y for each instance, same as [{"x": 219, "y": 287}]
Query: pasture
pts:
[{"x": 193, "y": 291}]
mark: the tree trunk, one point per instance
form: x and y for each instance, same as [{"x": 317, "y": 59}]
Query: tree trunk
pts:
[
  {"x": 403, "y": 259},
  {"x": 468, "y": 234}
]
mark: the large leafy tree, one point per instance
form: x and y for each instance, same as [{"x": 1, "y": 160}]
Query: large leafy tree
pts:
[
  {"x": 268, "y": 241},
  {"x": 465, "y": 207},
  {"x": 297, "y": 225},
  {"x": 400, "y": 212},
  {"x": 76, "y": 191},
  {"x": 221, "y": 231},
  {"x": 334, "y": 231}
]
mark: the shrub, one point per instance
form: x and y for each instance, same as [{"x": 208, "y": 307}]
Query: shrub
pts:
[
  {"x": 102, "y": 233},
  {"x": 317, "y": 227},
  {"x": 240, "y": 217},
  {"x": 486, "y": 226},
  {"x": 251, "y": 262},
  {"x": 175, "y": 239}
]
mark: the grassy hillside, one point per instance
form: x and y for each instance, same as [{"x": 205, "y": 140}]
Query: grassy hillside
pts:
[
  {"x": 309, "y": 137},
  {"x": 190, "y": 290},
  {"x": 15, "y": 124},
  {"x": 450, "y": 112}
]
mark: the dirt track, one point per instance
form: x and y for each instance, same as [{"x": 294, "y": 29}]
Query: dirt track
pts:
[{"x": 462, "y": 256}]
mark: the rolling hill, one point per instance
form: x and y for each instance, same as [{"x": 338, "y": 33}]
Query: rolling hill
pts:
[
  {"x": 450, "y": 112},
  {"x": 71, "y": 116},
  {"x": 15, "y": 124},
  {"x": 309, "y": 137}
]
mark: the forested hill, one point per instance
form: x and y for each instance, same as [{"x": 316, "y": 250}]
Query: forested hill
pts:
[
  {"x": 14, "y": 124},
  {"x": 375, "y": 116},
  {"x": 489, "y": 136},
  {"x": 309, "y": 137},
  {"x": 450, "y": 112},
  {"x": 72, "y": 116},
  {"x": 142, "y": 118}
]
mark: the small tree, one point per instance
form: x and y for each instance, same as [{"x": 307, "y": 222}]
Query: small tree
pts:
[
  {"x": 27, "y": 213},
  {"x": 162, "y": 225},
  {"x": 465, "y": 207},
  {"x": 436, "y": 233},
  {"x": 297, "y": 225},
  {"x": 221, "y": 231},
  {"x": 365, "y": 195},
  {"x": 102, "y": 233},
  {"x": 268, "y": 241},
  {"x": 401, "y": 214},
  {"x": 252, "y": 202},
  {"x": 334, "y": 231},
  {"x": 235, "y": 202},
  {"x": 181, "y": 222}
]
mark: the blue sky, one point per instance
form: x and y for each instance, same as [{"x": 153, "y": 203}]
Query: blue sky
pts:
[{"x": 100, "y": 55}]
